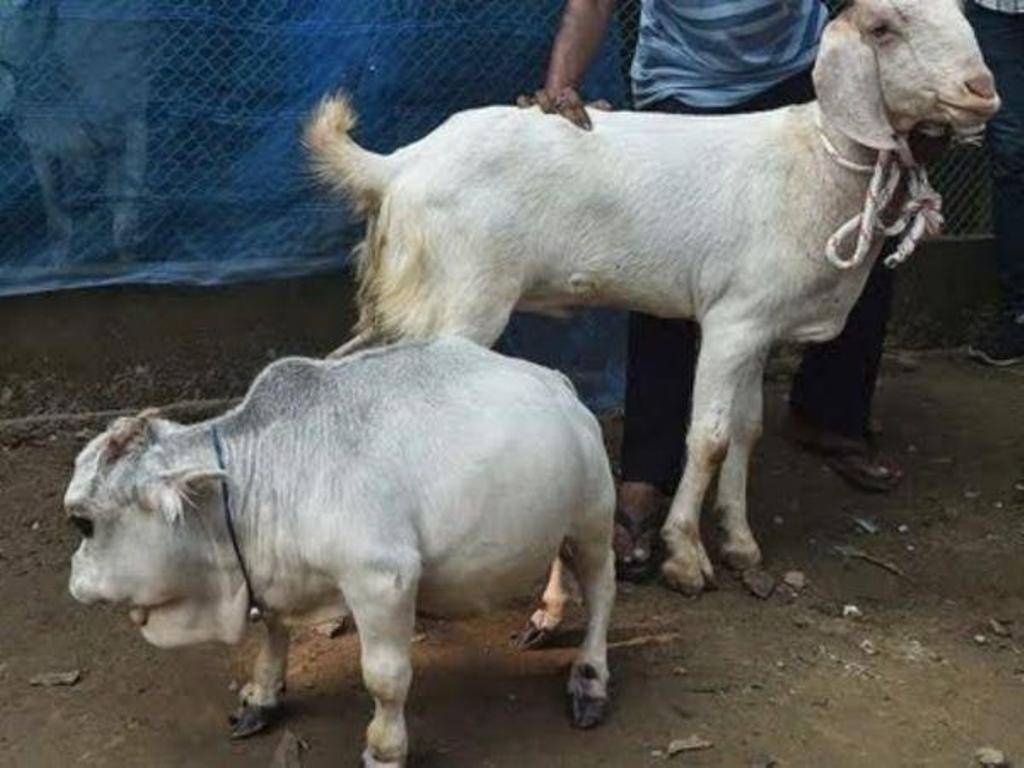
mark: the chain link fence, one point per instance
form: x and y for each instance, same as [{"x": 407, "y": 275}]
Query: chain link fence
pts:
[{"x": 158, "y": 140}]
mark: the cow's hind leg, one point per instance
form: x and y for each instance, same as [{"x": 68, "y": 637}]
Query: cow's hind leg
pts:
[
  {"x": 384, "y": 609},
  {"x": 260, "y": 698},
  {"x": 593, "y": 564}
]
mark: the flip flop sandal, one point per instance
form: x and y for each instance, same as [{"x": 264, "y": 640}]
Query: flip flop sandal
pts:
[{"x": 638, "y": 569}]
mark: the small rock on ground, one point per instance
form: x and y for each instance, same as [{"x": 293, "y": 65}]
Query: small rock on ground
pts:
[
  {"x": 764, "y": 761},
  {"x": 760, "y": 583},
  {"x": 990, "y": 756},
  {"x": 692, "y": 743},
  {"x": 51, "y": 679},
  {"x": 795, "y": 579},
  {"x": 289, "y": 751},
  {"x": 999, "y": 629}
]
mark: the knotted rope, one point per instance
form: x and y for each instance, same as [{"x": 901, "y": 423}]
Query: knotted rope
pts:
[{"x": 921, "y": 213}]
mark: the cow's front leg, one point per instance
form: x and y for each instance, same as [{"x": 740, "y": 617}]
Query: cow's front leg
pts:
[
  {"x": 384, "y": 611},
  {"x": 260, "y": 698}
]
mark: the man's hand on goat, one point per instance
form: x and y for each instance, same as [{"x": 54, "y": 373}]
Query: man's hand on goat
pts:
[{"x": 565, "y": 102}]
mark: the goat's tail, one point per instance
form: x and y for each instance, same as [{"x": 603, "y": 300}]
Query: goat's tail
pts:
[{"x": 357, "y": 173}]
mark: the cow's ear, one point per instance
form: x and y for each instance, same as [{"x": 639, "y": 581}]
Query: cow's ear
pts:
[{"x": 174, "y": 490}]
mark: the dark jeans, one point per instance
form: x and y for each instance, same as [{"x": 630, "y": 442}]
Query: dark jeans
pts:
[
  {"x": 1001, "y": 36},
  {"x": 835, "y": 384}
]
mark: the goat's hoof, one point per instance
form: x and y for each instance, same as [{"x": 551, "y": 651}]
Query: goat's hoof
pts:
[
  {"x": 588, "y": 697},
  {"x": 369, "y": 761},
  {"x": 250, "y": 719},
  {"x": 741, "y": 555},
  {"x": 685, "y": 577},
  {"x": 533, "y": 635}
]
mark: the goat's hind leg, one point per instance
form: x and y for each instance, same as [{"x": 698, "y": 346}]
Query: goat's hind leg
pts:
[{"x": 546, "y": 619}]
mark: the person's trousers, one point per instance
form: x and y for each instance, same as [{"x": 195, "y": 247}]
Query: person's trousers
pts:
[
  {"x": 835, "y": 383},
  {"x": 1001, "y": 37}
]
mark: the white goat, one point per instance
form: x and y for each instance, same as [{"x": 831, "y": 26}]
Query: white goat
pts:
[{"x": 722, "y": 219}]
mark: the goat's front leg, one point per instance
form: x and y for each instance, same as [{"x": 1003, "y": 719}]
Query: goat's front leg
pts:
[
  {"x": 384, "y": 611},
  {"x": 728, "y": 353},
  {"x": 739, "y": 548},
  {"x": 260, "y": 698}
]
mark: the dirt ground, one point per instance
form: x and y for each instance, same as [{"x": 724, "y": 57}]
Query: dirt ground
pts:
[{"x": 922, "y": 678}]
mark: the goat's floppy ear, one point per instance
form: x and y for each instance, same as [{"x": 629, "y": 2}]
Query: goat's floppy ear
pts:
[
  {"x": 849, "y": 90},
  {"x": 172, "y": 490}
]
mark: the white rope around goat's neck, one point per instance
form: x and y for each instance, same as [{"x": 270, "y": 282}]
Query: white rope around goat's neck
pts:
[{"x": 921, "y": 213}]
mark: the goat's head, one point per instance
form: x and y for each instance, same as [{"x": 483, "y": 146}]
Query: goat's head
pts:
[{"x": 889, "y": 66}]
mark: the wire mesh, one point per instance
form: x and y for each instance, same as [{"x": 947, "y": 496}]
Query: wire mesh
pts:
[{"x": 158, "y": 140}]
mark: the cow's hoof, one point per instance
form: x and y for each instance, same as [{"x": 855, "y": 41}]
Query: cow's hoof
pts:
[
  {"x": 532, "y": 636},
  {"x": 588, "y": 697},
  {"x": 369, "y": 761},
  {"x": 587, "y": 711},
  {"x": 249, "y": 719},
  {"x": 741, "y": 554}
]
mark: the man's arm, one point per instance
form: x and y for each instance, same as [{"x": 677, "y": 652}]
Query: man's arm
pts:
[{"x": 579, "y": 38}]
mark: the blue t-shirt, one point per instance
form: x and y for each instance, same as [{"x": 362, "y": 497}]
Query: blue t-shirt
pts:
[{"x": 718, "y": 53}]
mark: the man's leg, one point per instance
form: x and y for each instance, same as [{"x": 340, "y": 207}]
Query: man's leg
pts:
[
  {"x": 661, "y": 358},
  {"x": 835, "y": 384},
  {"x": 834, "y": 388},
  {"x": 659, "y": 381},
  {"x": 1001, "y": 36}
]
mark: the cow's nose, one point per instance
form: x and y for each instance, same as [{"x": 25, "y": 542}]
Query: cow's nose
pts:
[
  {"x": 79, "y": 589},
  {"x": 982, "y": 85},
  {"x": 80, "y": 584}
]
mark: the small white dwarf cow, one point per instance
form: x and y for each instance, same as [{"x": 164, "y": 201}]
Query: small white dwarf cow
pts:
[
  {"x": 725, "y": 219},
  {"x": 439, "y": 477}
]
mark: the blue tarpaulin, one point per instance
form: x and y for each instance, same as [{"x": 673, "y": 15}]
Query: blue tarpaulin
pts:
[{"x": 157, "y": 141}]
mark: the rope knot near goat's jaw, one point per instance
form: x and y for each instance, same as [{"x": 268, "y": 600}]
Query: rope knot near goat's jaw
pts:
[{"x": 920, "y": 215}]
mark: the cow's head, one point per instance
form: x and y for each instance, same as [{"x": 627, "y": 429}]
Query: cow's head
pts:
[
  {"x": 890, "y": 66},
  {"x": 152, "y": 535}
]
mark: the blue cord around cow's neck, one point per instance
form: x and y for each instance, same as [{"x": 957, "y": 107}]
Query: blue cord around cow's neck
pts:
[{"x": 254, "y": 611}]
